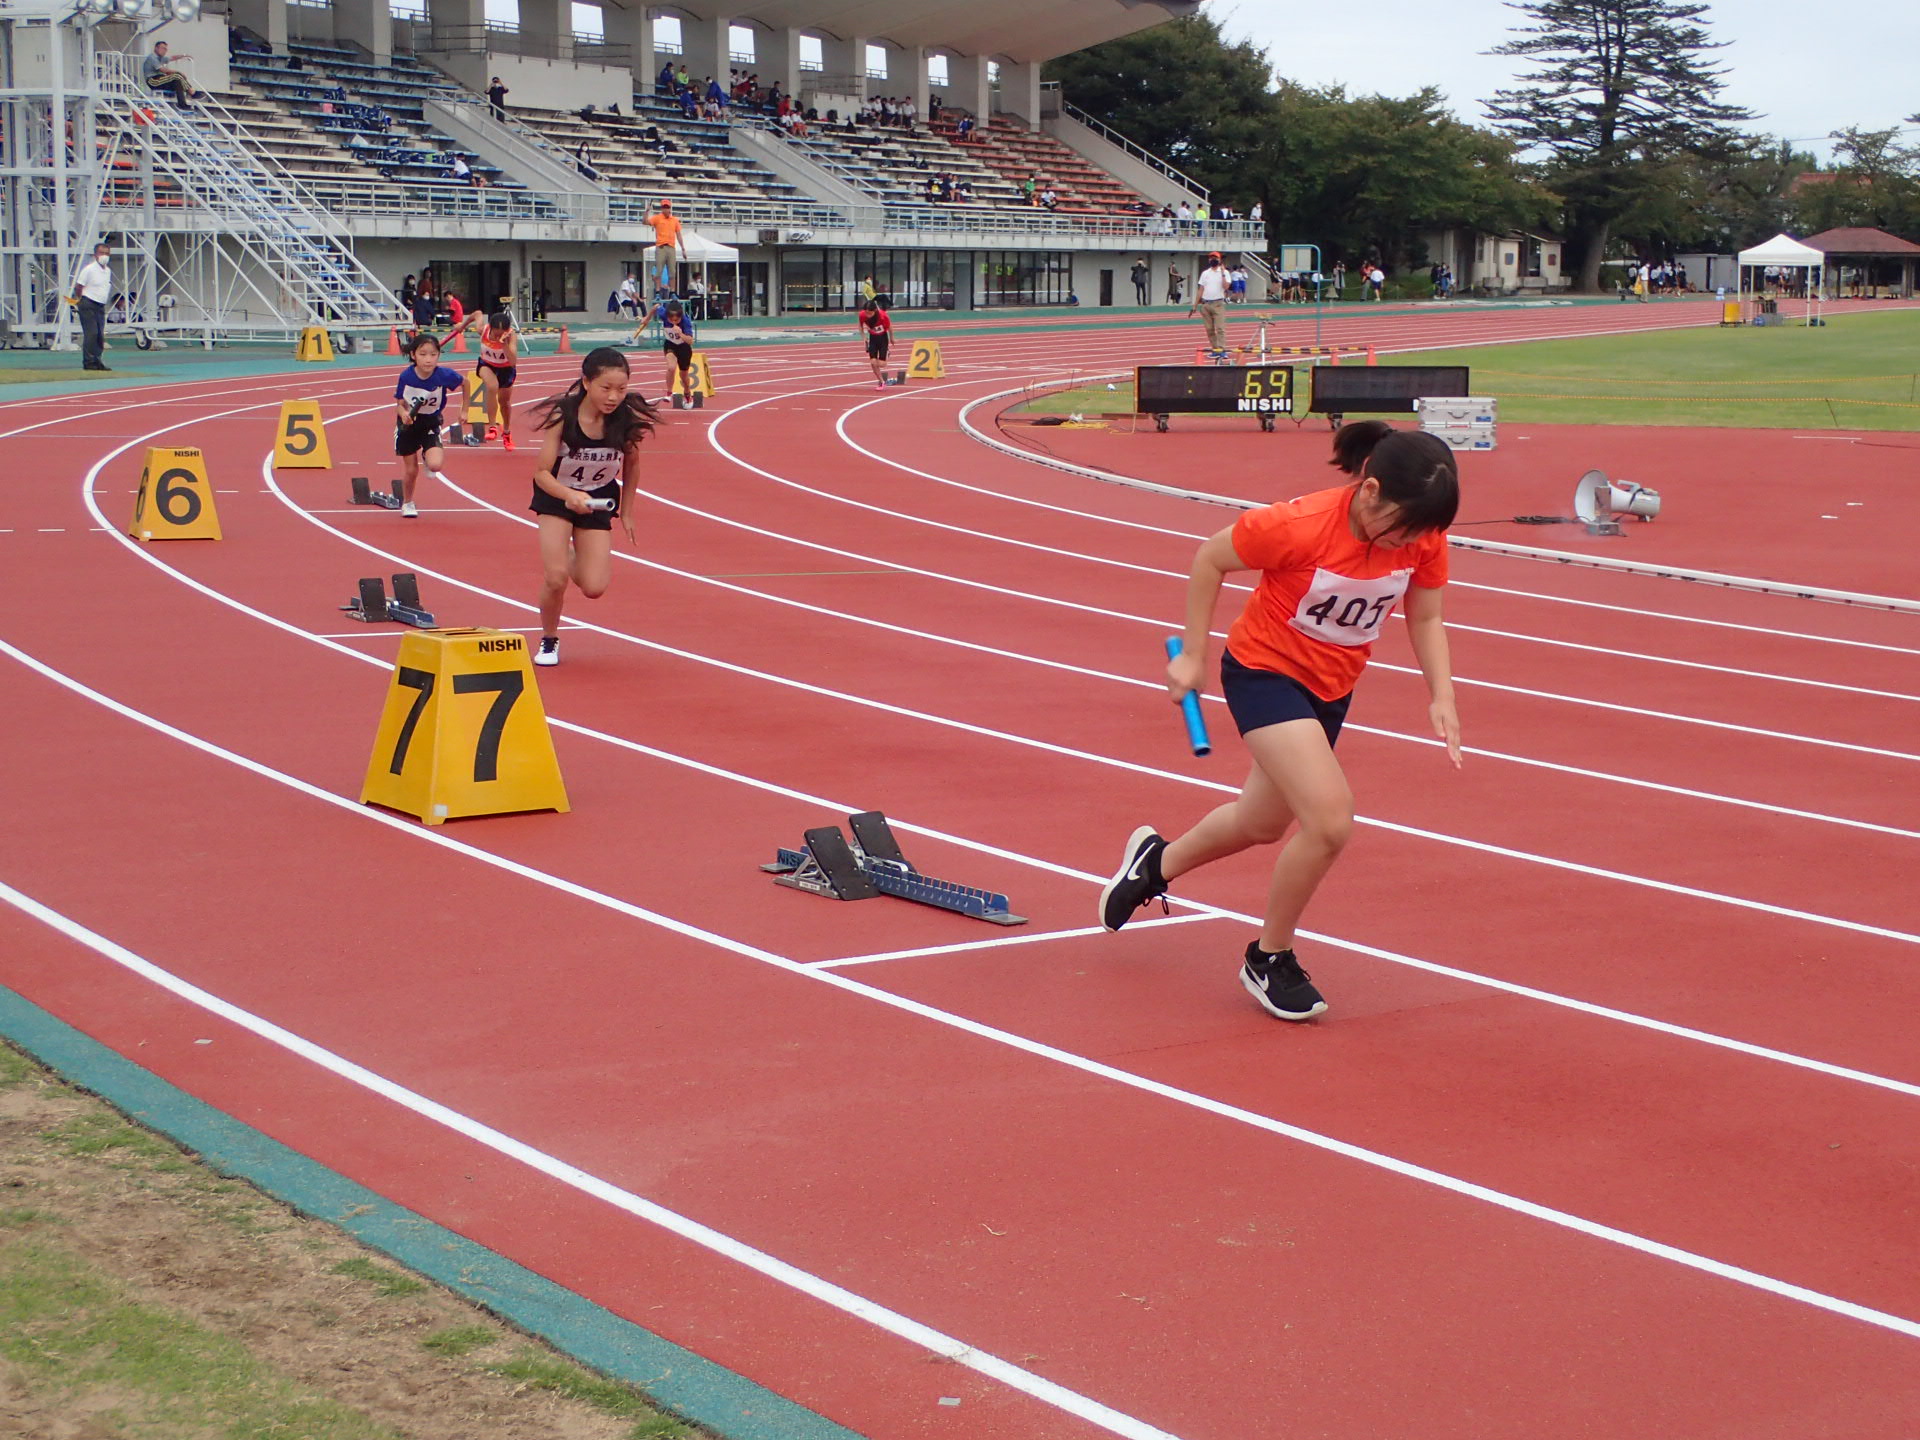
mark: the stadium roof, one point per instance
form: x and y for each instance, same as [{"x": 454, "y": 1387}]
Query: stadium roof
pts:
[
  {"x": 1861, "y": 240},
  {"x": 1020, "y": 30}
]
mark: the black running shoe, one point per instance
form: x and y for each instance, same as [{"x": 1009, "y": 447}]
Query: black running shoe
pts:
[
  {"x": 1136, "y": 882},
  {"x": 1280, "y": 985}
]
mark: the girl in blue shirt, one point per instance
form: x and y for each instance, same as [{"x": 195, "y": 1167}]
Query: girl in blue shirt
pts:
[{"x": 419, "y": 404}]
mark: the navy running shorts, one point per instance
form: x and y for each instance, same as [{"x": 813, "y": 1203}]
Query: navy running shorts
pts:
[{"x": 1257, "y": 698}]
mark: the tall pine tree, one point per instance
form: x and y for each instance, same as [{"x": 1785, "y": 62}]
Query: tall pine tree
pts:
[{"x": 1622, "y": 88}]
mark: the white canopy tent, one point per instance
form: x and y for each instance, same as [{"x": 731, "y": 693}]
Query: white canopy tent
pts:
[
  {"x": 1782, "y": 252},
  {"x": 699, "y": 250}
]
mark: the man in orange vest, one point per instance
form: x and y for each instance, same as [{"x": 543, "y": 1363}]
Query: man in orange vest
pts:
[{"x": 666, "y": 239}]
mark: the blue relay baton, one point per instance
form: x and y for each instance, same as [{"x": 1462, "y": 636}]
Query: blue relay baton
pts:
[{"x": 1190, "y": 709}]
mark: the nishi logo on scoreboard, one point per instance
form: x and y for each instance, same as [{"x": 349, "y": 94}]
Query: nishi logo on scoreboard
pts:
[{"x": 1265, "y": 404}]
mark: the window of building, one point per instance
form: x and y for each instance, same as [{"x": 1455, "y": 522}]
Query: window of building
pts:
[
  {"x": 1533, "y": 256},
  {"x": 993, "y": 74},
  {"x": 936, "y": 68},
  {"x": 408, "y": 9},
  {"x": 813, "y": 54},
  {"x": 503, "y": 14},
  {"x": 1025, "y": 277},
  {"x": 876, "y": 62},
  {"x": 666, "y": 34},
  {"x": 562, "y": 282},
  {"x": 589, "y": 21},
  {"x": 740, "y": 44}
]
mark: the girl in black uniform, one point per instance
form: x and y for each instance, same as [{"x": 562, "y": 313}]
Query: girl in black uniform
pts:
[
  {"x": 589, "y": 467},
  {"x": 419, "y": 404}
]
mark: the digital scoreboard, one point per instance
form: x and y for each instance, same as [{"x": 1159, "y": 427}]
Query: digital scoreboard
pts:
[
  {"x": 1383, "y": 389},
  {"x": 1213, "y": 390}
]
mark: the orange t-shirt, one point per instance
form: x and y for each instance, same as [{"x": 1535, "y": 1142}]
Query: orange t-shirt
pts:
[
  {"x": 666, "y": 229},
  {"x": 1324, "y": 595}
]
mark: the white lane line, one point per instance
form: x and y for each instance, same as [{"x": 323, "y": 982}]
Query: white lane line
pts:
[
  {"x": 1000, "y": 942},
  {"x": 1012, "y": 1375},
  {"x": 839, "y": 806},
  {"x": 1162, "y": 623},
  {"x": 1073, "y": 753},
  {"x": 1176, "y": 575},
  {"x": 1138, "y": 682},
  {"x": 720, "y": 1243}
]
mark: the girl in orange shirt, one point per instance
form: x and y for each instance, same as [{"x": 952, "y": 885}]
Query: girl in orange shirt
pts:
[{"x": 1333, "y": 564}]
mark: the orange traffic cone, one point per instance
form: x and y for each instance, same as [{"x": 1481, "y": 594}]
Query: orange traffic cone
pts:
[
  {"x": 1370, "y": 355},
  {"x": 459, "y": 346},
  {"x": 566, "y": 345},
  {"x": 393, "y": 340}
]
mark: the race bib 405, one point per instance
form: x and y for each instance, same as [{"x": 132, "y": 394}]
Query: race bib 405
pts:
[{"x": 1343, "y": 611}]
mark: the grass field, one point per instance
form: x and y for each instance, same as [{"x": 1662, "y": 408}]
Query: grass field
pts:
[{"x": 1859, "y": 372}]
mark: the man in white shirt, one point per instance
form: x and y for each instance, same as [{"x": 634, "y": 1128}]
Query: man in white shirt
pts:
[
  {"x": 92, "y": 288},
  {"x": 1210, "y": 299}
]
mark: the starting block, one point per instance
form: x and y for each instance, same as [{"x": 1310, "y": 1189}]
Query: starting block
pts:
[
  {"x": 372, "y": 606},
  {"x": 895, "y": 377},
  {"x": 873, "y": 865},
  {"x": 365, "y": 494},
  {"x": 698, "y": 402}
]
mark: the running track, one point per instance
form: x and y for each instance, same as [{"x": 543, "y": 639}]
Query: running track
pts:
[{"x": 1610, "y": 1130}]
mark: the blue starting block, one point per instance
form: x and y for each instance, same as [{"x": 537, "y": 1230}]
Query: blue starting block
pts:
[{"x": 873, "y": 865}]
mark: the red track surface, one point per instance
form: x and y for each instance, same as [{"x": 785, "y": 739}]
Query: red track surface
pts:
[{"x": 1587, "y": 1018}]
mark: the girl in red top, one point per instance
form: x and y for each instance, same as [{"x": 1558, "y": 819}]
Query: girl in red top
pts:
[
  {"x": 878, "y": 328},
  {"x": 1332, "y": 566}
]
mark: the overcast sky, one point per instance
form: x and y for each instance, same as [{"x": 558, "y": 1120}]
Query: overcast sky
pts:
[{"x": 1808, "y": 70}]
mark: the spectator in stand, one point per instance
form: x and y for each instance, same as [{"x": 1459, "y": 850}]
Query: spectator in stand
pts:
[
  {"x": 582, "y": 163},
  {"x": 964, "y": 130},
  {"x": 715, "y": 95},
  {"x": 664, "y": 82},
  {"x": 689, "y": 106},
  {"x": 1185, "y": 217},
  {"x": 1141, "y": 274},
  {"x": 1028, "y": 187},
  {"x": 92, "y": 289},
  {"x": 1049, "y": 200},
  {"x": 497, "y": 99},
  {"x": 1202, "y": 215},
  {"x": 1258, "y": 214},
  {"x": 159, "y": 76},
  {"x": 681, "y": 79}
]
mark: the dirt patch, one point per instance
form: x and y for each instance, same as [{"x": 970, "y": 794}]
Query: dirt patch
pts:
[{"x": 143, "y": 1294}]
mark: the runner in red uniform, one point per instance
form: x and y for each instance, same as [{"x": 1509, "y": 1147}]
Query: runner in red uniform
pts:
[
  {"x": 1333, "y": 564},
  {"x": 877, "y": 325}
]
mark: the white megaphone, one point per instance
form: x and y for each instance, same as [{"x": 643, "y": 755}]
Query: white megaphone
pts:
[{"x": 1596, "y": 500}]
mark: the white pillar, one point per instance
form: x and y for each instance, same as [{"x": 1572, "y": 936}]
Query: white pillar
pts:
[
  {"x": 776, "y": 59},
  {"x": 467, "y": 17},
  {"x": 1020, "y": 92},
  {"x": 266, "y": 18},
  {"x": 631, "y": 26},
  {"x": 551, "y": 22},
  {"x": 366, "y": 23},
  {"x": 845, "y": 60},
  {"x": 704, "y": 49},
  {"x": 967, "y": 86},
  {"x": 914, "y": 57}
]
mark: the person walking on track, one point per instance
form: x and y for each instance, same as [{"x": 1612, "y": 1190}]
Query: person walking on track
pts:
[
  {"x": 1333, "y": 564},
  {"x": 420, "y": 402},
  {"x": 676, "y": 340},
  {"x": 92, "y": 289},
  {"x": 588, "y": 471},
  {"x": 877, "y": 326},
  {"x": 1210, "y": 299}
]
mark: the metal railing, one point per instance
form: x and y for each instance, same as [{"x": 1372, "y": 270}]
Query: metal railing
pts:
[
  {"x": 1050, "y": 91},
  {"x": 494, "y": 38}
]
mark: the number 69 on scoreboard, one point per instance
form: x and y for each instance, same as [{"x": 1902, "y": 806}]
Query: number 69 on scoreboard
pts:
[{"x": 1263, "y": 391}]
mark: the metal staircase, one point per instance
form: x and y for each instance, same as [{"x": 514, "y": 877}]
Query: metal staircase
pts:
[{"x": 198, "y": 177}]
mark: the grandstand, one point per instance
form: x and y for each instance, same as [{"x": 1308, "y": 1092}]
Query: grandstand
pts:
[{"x": 356, "y": 115}]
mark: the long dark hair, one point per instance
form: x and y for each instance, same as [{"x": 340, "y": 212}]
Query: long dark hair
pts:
[
  {"x": 1415, "y": 471},
  {"x": 630, "y": 423}
]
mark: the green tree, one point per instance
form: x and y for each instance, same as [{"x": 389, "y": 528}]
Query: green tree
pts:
[
  {"x": 1622, "y": 89},
  {"x": 1365, "y": 177},
  {"x": 1874, "y": 181},
  {"x": 1181, "y": 91}
]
